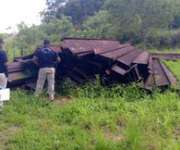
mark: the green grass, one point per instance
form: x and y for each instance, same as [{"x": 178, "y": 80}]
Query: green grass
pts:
[
  {"x": 93, "y": 117},
  {"x": 174, "y": 66},
  {"x": 164, "y": 50},
  {"x": 121, "y": 117}
]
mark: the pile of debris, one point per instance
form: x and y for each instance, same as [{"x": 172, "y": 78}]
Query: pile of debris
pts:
[
  {"x": 83, "y": 59},
  {"x": 114, "y": 62},
  {"x": 22, "y": 72}
]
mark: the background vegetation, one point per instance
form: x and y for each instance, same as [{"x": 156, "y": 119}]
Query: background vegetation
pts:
[
  {"x": 148, "y": 23},
  {"x": 92, "y": 117}
]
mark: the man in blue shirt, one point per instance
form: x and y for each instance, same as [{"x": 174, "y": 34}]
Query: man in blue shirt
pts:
[
  {"x": 47, "y": 60},
  {"x": 3, "y": 68}
]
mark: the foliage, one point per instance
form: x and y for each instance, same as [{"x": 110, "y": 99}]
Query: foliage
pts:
[
  {"x": 138, "y": 17},
  {"x": 78, "y": 10},
  {"x": 57, "y": 29},
  {"x": 176, "y": 22},
  {"x": 53, "y": 30},
  {"x": 92, "y": 117},
  {"x": 99, "y": 26},
  {"x": 153, "y": 23},
  {"x": 28, "y": 38},
  {"x": 92, "y": 120},
  {"x": 136, "y": 21},
  {"x": 163, "y": 38}
]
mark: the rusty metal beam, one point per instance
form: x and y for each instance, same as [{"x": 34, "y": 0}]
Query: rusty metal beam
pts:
[
  {"x": 166, "y": 56},
  {"x": 83, "y": 59}
]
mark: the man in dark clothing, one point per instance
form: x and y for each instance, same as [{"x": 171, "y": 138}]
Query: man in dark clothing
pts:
[
  {"x": 3, "y": 61},
  {"x": 47, "y": 60},
  {"x": 3, "y": 68}
]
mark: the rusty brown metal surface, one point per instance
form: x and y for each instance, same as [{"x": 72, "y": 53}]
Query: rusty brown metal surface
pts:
[
  {"x": 142, "y": 58},
  {"x": 118, "y": 52},
  {"x": 166, "y": 56},
  {"x": 159, "y": 75},
  {"x": 126, "y": 61},
  {"x": 15, "y": 76},
  {"x": 129, "y": 57},
  {"x": 20, "y": 71},
  {"x": 79, "y": 45},
  {"x": 56, "y": 48},
  {"x": 172, "y": 79},
  {"x": 119, "y": 70},
  {"x": 15, "y": 67},
  {"x": 83, "y": 59}
]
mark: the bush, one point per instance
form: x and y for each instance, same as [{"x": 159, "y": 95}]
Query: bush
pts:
[
  {"x": 162, "y": 39},
  {"x": 95, "y": 90}
]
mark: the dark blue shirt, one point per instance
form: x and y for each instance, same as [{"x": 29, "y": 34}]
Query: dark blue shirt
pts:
[
  {"x": 3, "y": 61},
  {"x": 46, "y": 57}
]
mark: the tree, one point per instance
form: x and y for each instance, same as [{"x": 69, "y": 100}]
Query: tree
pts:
[
  {"x": 57, "y": 29},
  {"x": 100, "y": 26},
  {"x": 78, "y": 10},
  {"x": 30, "y": 37},
  {"x": 138, "y": 17},
  {"x": 54, "y": 10}
]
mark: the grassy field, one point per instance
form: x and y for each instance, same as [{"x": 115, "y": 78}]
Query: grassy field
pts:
[
  {"x": 164, "y": 50},
  {"x": 93, "y": 117}
]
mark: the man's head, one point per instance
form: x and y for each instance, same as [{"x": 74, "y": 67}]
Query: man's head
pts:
[
  {"x": 1, "y": 43},
  {"x": 46, "y": 43}
]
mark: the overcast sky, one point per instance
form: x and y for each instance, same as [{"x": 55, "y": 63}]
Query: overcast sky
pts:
[{"x": 13, "y": 12}]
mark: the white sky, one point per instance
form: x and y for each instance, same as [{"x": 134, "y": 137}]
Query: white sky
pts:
[{"x": 13, "y": 12}]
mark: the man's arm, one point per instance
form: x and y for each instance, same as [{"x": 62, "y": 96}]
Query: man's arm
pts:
[
  {"x": 57, "y": 57},
  {"x": 36, "y": 57}
]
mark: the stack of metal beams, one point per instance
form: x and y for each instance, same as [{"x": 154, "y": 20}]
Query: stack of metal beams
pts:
[
  {"x": 114, "y": 62},
  {"x": 83, "y": 59},
  {"x": 17, "y": 74},
  {"x": 23, "y": 71}
]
